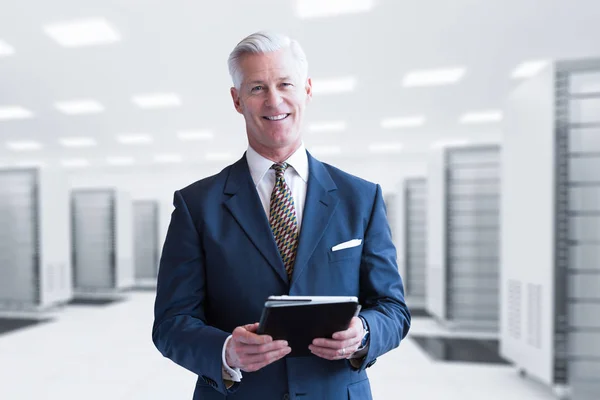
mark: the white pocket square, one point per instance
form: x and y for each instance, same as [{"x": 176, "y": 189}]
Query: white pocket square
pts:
[{"x": 347, "y": 245}]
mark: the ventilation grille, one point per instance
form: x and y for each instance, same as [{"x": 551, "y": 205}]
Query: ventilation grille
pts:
[
  {"x": 534, "y": 315},
  {"x": 514, "y": 309}
]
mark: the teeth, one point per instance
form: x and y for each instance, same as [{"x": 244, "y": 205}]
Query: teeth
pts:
[{"x": 277, "y": 117}]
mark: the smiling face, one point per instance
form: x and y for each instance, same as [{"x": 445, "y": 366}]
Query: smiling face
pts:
[{"x": 272, "y": 98}]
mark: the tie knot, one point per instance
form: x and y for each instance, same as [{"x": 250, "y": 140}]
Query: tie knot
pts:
[{"x": 280, "y": 168}]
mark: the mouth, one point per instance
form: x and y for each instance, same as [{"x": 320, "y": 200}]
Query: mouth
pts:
[{"x": 279, "y": 117}]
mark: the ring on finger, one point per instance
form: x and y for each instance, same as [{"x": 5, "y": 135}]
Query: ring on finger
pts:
[{"x": 343, "y": 351}]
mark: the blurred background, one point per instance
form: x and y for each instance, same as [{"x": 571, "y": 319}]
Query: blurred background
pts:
[{"x": 480, "y": 119}]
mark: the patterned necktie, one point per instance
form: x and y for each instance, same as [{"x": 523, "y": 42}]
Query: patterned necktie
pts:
[{"x": 283, "y": 219}]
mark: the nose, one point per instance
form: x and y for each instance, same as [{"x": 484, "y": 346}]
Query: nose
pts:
[{"x": 273, "y": 98}]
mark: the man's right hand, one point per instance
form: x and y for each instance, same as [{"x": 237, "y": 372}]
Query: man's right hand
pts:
[{"x": 250, "y": 352}]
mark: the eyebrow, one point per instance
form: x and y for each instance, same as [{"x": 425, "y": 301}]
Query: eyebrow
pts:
[{"x": 258, "y": 81}]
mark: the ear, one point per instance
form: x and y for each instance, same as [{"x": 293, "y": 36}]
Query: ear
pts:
[
  {"x": 308, "y": 88},
  {"x": 235, "y": 96}
]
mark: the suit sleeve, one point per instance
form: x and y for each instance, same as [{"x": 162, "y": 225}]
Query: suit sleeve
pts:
[
  {"x": 180, "y": 331},
  {"x": 381, "y": 288}
]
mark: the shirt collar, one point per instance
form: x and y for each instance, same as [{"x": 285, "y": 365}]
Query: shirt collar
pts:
[{"x": 259, "y": 165}]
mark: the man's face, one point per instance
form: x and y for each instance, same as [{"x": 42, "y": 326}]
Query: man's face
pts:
[{"x": 272, "y": 98}]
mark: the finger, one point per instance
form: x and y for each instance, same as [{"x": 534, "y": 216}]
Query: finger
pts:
[
  {"x": 330, "y": 354},
  {"x": 336, "y": 344},
  {"x": 256, "y": 362},
  {"x": 334, "y": 354},
  {"x": 242, "y": 348},
  {"x": 354, "y": 329},
  {"x": 242, "y": 335}
]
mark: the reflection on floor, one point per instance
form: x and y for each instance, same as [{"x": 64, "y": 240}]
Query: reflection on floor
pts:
[
  {"x": 8, "y": 325},
  {"x": 456, "y": 349},
  {"x": 106, "y": 353},
  {"x": 419, "y": 312},
  {"x": 94, "y": 301}
]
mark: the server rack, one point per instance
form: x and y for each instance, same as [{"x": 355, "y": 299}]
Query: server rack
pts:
[
  {"x": 146, "y": 227},
  {"x": 34, "y": 246},
  {"x": 414, "y": 243},
  {"x": 552, "y": 308},
  {"x": 463, "y": 230},
  {"x": 102, "y": 229}
]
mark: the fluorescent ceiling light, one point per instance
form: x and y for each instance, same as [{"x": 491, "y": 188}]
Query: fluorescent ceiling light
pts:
[
  {"x": 403, "y": 122},
  {"x": 385, "y": 147},
  {"x": 168, "y": 158},
  {"x": 528, "y": 69},
  {"x": 6, "y": 49},
  {"x": 195, "y": 135},
  {"x": 336, "y": 85},
  {"x": 331, "y": 8},
  {"x": 24, "y": 145},
  {"x": 433, "y": 77},
  {"x": 325, "y": 150},
  {"x": 450, "y": 143},
  {"x": 77, "y": 142},
  {"x": 120, "y": 160},
  {"x": 481, "y": 117},
  {"x": 75, "y": 163},
  {"x": 333, "y": 126},
  {"x": 157, "y": 100},
  {"x": 140, "y": 138},
  {"x": 30, "y": 163},
  {"x": 224, "y": 156},
  {"x": 83, "y": 106},
  {"x": 85, "y": 32},
  {"x": 14, "y": 112}
]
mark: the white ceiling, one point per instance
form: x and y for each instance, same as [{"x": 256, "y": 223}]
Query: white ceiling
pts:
[{"x": 181, "y": 46}]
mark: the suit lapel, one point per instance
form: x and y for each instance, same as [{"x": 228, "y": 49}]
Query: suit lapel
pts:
[
  {"x": 319, "y": 206},
  {"x": 245, "y": 206}
]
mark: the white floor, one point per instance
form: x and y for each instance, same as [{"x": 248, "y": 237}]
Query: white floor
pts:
[{"x": 106, "y": 353}]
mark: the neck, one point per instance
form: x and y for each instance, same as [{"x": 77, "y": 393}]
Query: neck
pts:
[{"x": 276, "y": 155}]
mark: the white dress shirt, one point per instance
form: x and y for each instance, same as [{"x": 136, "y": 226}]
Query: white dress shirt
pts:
[{"x": 263, "y": 176}]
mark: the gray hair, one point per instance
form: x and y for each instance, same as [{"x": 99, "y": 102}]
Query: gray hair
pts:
[{"x": 260, "y": 43}]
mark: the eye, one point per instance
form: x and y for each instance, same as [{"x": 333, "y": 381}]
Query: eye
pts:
[
  {"x": 256, "y": 88},
  {"x": 286, "y": 84}
]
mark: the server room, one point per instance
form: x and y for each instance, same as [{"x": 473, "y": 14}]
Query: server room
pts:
[{"x": 455, "y": 145}]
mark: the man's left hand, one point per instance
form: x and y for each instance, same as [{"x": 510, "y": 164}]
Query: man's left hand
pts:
[{"x": 342, "y": 345}]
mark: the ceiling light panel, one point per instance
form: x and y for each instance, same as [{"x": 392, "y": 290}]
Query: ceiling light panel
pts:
[
  {"x": 85, "y": 32},
  {"x": 528, "y": 69},
  {"x": 24, "y": 145},
  {"x": 75, "y": 163},
  {"x": 332, "y": 126},
  {"x": 14, "y": 112},
  {"x": 6, "y": 49},
  {"x": 75, "y": 107},
  {"x": 195, "y": 135},
  {"x": 331, "y": 8},
  {"x": 77, "y": 142},
  {"x": 481, "y": 117},
  {"x": 118, "y": 161},
  {"x": 334, "y": 86},
  {"x": 138, "y": 138},
  {"x": 383, "y": 148},
  {"x": 433, "y": 77},
  {"x": 449, "y": 143},
  {"x": 157, "y": 100},
  {"x": 403, "y": 122}
]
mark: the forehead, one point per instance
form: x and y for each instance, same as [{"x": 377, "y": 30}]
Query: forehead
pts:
[{"x": 268, "y": 66}]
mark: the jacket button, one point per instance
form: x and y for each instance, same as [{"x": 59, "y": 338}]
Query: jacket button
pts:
[{"x": 286, "y": 397}]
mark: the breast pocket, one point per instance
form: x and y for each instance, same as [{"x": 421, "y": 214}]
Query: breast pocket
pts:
[{"x": 345, "y": 254}]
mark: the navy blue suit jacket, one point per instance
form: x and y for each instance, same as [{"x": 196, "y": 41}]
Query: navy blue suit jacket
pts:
[{"x": 220, "y": 262}]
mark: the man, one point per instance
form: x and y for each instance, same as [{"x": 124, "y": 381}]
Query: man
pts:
[{"x": 276, "y": 222}]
